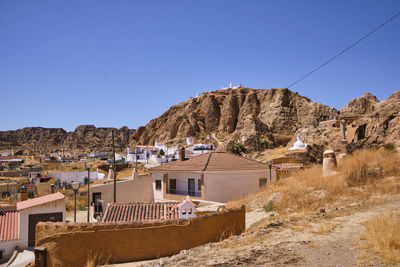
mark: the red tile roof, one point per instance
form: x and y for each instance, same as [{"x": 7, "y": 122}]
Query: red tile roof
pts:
[
  {"x": 9, "y": 226},
  {"x": 38, "y": 201},
  {"x": 7, "y": 208},
  {"x": 289, "y": 167},
  {"x": 213, "y": 161},
  {"x": 140, "y": 212}
]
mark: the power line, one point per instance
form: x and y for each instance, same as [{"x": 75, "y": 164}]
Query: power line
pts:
[{"x": 345, "y": 50}]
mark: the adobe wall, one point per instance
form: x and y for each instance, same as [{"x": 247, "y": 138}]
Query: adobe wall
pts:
[{"x": 72, "y": 244}]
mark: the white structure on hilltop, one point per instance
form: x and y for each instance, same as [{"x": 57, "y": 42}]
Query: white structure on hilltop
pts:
[
  {"x": 298, "y": 145},
  {"x": 189, "y": 140},
  {"x": 231, "y": 86}
]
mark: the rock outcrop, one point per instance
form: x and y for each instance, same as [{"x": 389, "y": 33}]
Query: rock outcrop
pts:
[
  {"x": 382, "y": 124},
  {"x": 360, "y": 105},
  {"x": 249, "y": 116}
]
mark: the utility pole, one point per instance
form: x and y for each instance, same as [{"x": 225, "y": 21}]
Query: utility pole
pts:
[{"x": 114, "y": 172}]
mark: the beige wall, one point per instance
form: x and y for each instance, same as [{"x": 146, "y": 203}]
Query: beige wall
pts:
[
  {"x": 136, "y": 190},
  {"x": 158, "y": 194},
  {"x": 8, "y": 247},
  {"x": 72, "y": 244},
  {"x": 227, "y": 186},
  {"x": 50, "y": 207}
]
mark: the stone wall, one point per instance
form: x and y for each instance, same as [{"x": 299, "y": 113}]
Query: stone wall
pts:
[{"x": 74, "y": 244}]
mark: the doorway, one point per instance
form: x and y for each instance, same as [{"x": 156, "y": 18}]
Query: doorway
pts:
[{"x": 191, "y": 187}]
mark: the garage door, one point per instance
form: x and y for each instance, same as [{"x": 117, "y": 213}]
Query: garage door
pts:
[{"x": 45, "y": 217}]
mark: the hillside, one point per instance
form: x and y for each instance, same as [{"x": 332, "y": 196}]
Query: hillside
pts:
[
  {"x": 253, "y": 117},
  {"x": 249, "y": 116}
]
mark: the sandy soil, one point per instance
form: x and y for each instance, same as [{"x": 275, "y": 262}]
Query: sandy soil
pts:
[{"x": 329, "y": 238}]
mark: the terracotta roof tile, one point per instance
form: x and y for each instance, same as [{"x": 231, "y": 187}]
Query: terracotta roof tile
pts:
[
  {"x": 140, "y": 212},
  {"x": 9, "y": 226},
  {"x": 289, "y": 167},
  {"x": 39, "y": 200},
  {"x": 8, "y": 208},
  {"x": 213, "y": 161}
]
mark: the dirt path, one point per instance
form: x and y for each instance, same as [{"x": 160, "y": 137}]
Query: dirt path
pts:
[{"x": 323, "y": 239}]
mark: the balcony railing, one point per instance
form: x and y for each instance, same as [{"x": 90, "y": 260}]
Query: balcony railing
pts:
[{"x": 184, "y": 193}]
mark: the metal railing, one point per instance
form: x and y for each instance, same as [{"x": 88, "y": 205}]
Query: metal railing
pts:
[{"x": 184, "y": 193}]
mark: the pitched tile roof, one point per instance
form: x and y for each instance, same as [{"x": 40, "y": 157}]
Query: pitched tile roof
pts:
[
  {"x": 39, "y": 200},
  {"x": 213, "y": 161},
  {"x": 140, "y": 212},
  {"x": 289, "y": 167},
  {"x": 7, "y": 208},
  {"x": 9, "y": 226}
]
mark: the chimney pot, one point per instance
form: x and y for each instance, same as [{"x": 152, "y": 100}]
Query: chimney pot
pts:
[{"x": 182, "y": 154}]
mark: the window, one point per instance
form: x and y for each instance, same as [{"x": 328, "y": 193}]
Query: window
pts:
[
  {"x": 158, "y": 184},
  {"x": 1, "y": 254},
  {"x": 172, "y": 184},
  {"x": 263, "y": 181},
  {"x": 199, "y": 184},
  {"x": 183, "y": 211}
]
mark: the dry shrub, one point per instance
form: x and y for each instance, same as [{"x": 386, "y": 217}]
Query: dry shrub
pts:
[
  {"x": 369, "y": 165},
  {"x": 97, "y": 259},
  {"x": 382, "y": 235},
  {"x": 369, "y": 172}
]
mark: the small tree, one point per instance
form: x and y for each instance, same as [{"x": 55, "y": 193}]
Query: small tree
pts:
[
  {"x": 238, "y": 148},
  {"x": 162, "y": 153},
  {"x": 12, "y": 165},
  {"x": 85, "y": 180},
  {"x": 389, "y": 147}
]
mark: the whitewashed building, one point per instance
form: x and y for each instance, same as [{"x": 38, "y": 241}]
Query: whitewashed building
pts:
[
  {"x": 18, "y": 222},
  {"x": 214, "y": 176}
]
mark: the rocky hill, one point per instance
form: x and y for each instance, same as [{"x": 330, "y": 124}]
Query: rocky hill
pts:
[
  {"x": 380, "y": 123},
  {"x": 84, "y": 138},
  {"x": 254, "y": 117},
  {"x": 224, "y": 117}
]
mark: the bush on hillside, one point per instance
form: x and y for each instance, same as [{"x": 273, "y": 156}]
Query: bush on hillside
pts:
[
  {"x": 369, "y": 165},
  {"x": 389, "y": 147}
]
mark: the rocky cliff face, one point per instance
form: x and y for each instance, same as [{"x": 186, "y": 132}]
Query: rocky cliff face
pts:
[
  {"x": 360, "y": 106},
  {"x": 381, "y": 124},
  {"x": 249, "y": 116},
  {"x": 253, "y": 117},
  {"x": 85, "y": 138}
]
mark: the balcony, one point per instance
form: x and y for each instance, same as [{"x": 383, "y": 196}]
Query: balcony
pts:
[{"x": 184, "y": 193}]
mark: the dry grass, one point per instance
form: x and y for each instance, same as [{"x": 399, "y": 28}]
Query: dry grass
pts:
[
  {"x": 308, "y": 190},
  {"x": 366, "y": 165},
  {"x": 382, "y": 236},
  {"x": 97, "y": 259}
]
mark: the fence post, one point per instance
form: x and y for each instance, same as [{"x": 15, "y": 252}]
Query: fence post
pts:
[{"x": 40, "y": 256}]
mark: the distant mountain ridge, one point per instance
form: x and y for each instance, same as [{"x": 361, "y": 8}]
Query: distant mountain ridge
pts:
[
  {"x": 253, "y": 117},
  {"x": 84, "y": 138}
]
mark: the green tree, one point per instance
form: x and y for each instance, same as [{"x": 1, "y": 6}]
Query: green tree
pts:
[{"x": 162, "y": 153}]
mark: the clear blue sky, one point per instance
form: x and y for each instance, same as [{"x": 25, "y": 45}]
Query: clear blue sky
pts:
[{"x": 115, "y": 63}]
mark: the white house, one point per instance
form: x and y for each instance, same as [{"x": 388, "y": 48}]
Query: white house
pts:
[
  {"x": 137, "y": 188},
  {"x": 18, "y": 222},
  {"x": 214, "y": 176},
  {"x": 140, "y": 153},
  {"x": 6, "y": 153}
]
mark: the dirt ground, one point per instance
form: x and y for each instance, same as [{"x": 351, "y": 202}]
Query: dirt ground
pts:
[{"x": 325, "y": 238}]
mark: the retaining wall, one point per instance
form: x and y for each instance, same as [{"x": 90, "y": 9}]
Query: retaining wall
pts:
[{"x": 74, "y": 244}]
